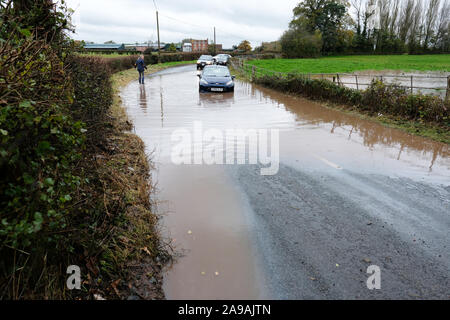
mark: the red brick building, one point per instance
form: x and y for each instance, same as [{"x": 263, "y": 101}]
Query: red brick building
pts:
[{"x": 199, "y": 45}]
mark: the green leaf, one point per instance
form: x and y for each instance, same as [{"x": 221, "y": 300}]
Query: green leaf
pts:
[
  {"x": 27, "y": 178},
  {"x": 37, "y": 221},
  {"x": 25, "y": 32},
  {"x": 25, "y": 104},
  {"x": 43, "y": 147},
  {"x": 4, "y": 132},
  {"x": 49, "y": 181}
]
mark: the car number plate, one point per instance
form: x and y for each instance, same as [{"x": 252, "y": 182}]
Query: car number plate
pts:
[{"x": 217, "y": 89}]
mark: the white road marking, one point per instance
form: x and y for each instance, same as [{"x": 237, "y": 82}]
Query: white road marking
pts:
[{"x": 331, "y": 164}]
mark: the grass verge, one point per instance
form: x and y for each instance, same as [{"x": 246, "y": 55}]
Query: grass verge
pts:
[
  {"x": 136, "y": 253},
  {"x": 428, "y": 130}
]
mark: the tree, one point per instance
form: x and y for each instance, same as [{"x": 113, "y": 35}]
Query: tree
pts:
[
  {"x": 406, "y": 20},
  {"x": 172, "y": 48},
  {"x": 327, "y": 16},
  {"x": 296, "y": 43},
  {"x": 211, "y": 49},
  {"x": 110, "y": 42},
  {"x": 39, "y": 16},
  {"x": 245, "y": 46},
  {"x": 431, "y": 17},
  {"x": 442, "y": 38}
]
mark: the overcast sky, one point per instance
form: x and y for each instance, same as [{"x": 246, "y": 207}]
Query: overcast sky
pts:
[{"x": 130, "y": 21}]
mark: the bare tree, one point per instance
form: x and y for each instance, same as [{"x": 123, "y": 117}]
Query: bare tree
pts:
[
  {"x": 406, "y": 19},
  {"x": 394, "y": 17},
  {"x": 414, "y": 34},
  {"x": 430, "y": 20},
  {"x": 384, "y": 7},
  {"x": 443, "y": 26},
  {"x": 358, "y": 6}
]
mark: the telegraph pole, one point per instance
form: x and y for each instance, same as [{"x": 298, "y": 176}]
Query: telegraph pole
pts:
[
  {"x": 215, "y": 47},
  {"x": 159, "y": 41}
]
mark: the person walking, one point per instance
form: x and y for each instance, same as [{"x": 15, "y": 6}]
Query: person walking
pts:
[{"x": 141, "y": 67}]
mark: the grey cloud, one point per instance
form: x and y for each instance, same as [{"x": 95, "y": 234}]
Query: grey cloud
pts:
[{"x": 134, "y": 20}]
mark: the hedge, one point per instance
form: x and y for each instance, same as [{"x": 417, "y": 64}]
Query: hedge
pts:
[{"x": 379, "y": 98}]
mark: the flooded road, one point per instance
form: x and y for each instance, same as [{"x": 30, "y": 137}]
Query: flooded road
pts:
[{"x": 349, "y": 193}]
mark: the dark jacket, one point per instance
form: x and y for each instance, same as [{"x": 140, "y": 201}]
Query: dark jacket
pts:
[{"x": 140, "y": 65}]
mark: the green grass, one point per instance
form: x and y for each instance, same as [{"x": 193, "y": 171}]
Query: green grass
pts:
[
  {"x": 345, "y": 64},
  {"x": 176, "y": 63}
]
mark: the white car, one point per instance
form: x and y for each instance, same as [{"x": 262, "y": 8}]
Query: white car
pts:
[{"x": 203, "y": 61}]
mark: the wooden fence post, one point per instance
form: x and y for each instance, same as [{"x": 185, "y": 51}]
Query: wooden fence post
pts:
[
  {"x": 357, "y": 85},
  {"x": 253, "y": 73},
  {"x": 412, "y": 85},
  {"x": 447, "y": 95}
]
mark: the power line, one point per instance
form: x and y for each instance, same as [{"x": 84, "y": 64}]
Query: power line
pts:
[
  {"x": 187, "y": 23},
  {"x": 208, "y": 27}
]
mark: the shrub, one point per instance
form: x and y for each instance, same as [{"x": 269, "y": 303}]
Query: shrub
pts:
[
  {"x": 40, "y": 144},
  {"x": 378, "y": 98},
  {"x": 120, "y": 63},
  {"x": 172, "y": 57},
  {"x": 300, "y": 44}
]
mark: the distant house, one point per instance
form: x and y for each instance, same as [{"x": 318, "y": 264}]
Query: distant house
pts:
[
  {"x": 104, "y": 47},
  {"x": 142, "y": 47},
  {"x": 199, "y": 45},
  {"x": 187, "y": 47}
]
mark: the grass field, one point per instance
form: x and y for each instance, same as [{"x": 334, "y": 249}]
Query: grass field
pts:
[{"x": 345, "y": 64}]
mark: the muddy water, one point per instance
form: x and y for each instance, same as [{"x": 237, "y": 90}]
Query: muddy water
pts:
[
  {"x": 205, "y": 213},
  {"x": 429, "y": 82}
]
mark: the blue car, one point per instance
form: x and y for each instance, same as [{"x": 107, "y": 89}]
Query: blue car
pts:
[{"x": 216, "y": 79}]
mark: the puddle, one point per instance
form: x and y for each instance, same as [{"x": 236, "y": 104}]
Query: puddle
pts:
[
  {"x": 205, "y": 212},
  {"x": 423, "y": 82}
]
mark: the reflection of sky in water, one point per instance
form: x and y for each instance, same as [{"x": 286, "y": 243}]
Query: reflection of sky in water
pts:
[{"x": 170, "y": 101}]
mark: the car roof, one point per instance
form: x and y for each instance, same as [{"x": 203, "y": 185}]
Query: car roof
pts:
[{"x": 216, "y": 67}]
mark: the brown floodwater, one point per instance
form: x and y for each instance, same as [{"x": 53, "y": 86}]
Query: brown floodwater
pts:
[{"x": 206, "y": 215}]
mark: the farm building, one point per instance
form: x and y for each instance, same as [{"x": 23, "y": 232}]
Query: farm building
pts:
[
  {"x": 104, "y": 47},
  {"x": 141, "y": 47}
]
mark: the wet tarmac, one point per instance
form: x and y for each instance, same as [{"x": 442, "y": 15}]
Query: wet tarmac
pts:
[{"x": 245, "y": 236}]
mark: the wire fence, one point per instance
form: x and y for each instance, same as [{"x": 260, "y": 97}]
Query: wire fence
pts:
[{"x": 424, "y": 84}]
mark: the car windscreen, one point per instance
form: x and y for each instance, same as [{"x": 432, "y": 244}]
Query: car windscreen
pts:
[
  {"x": 216, "y": 72},
  {"x": 206, "y": 58}
]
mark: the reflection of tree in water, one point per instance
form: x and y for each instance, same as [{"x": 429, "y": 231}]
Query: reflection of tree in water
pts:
[{"x": 372, "y": 133}]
